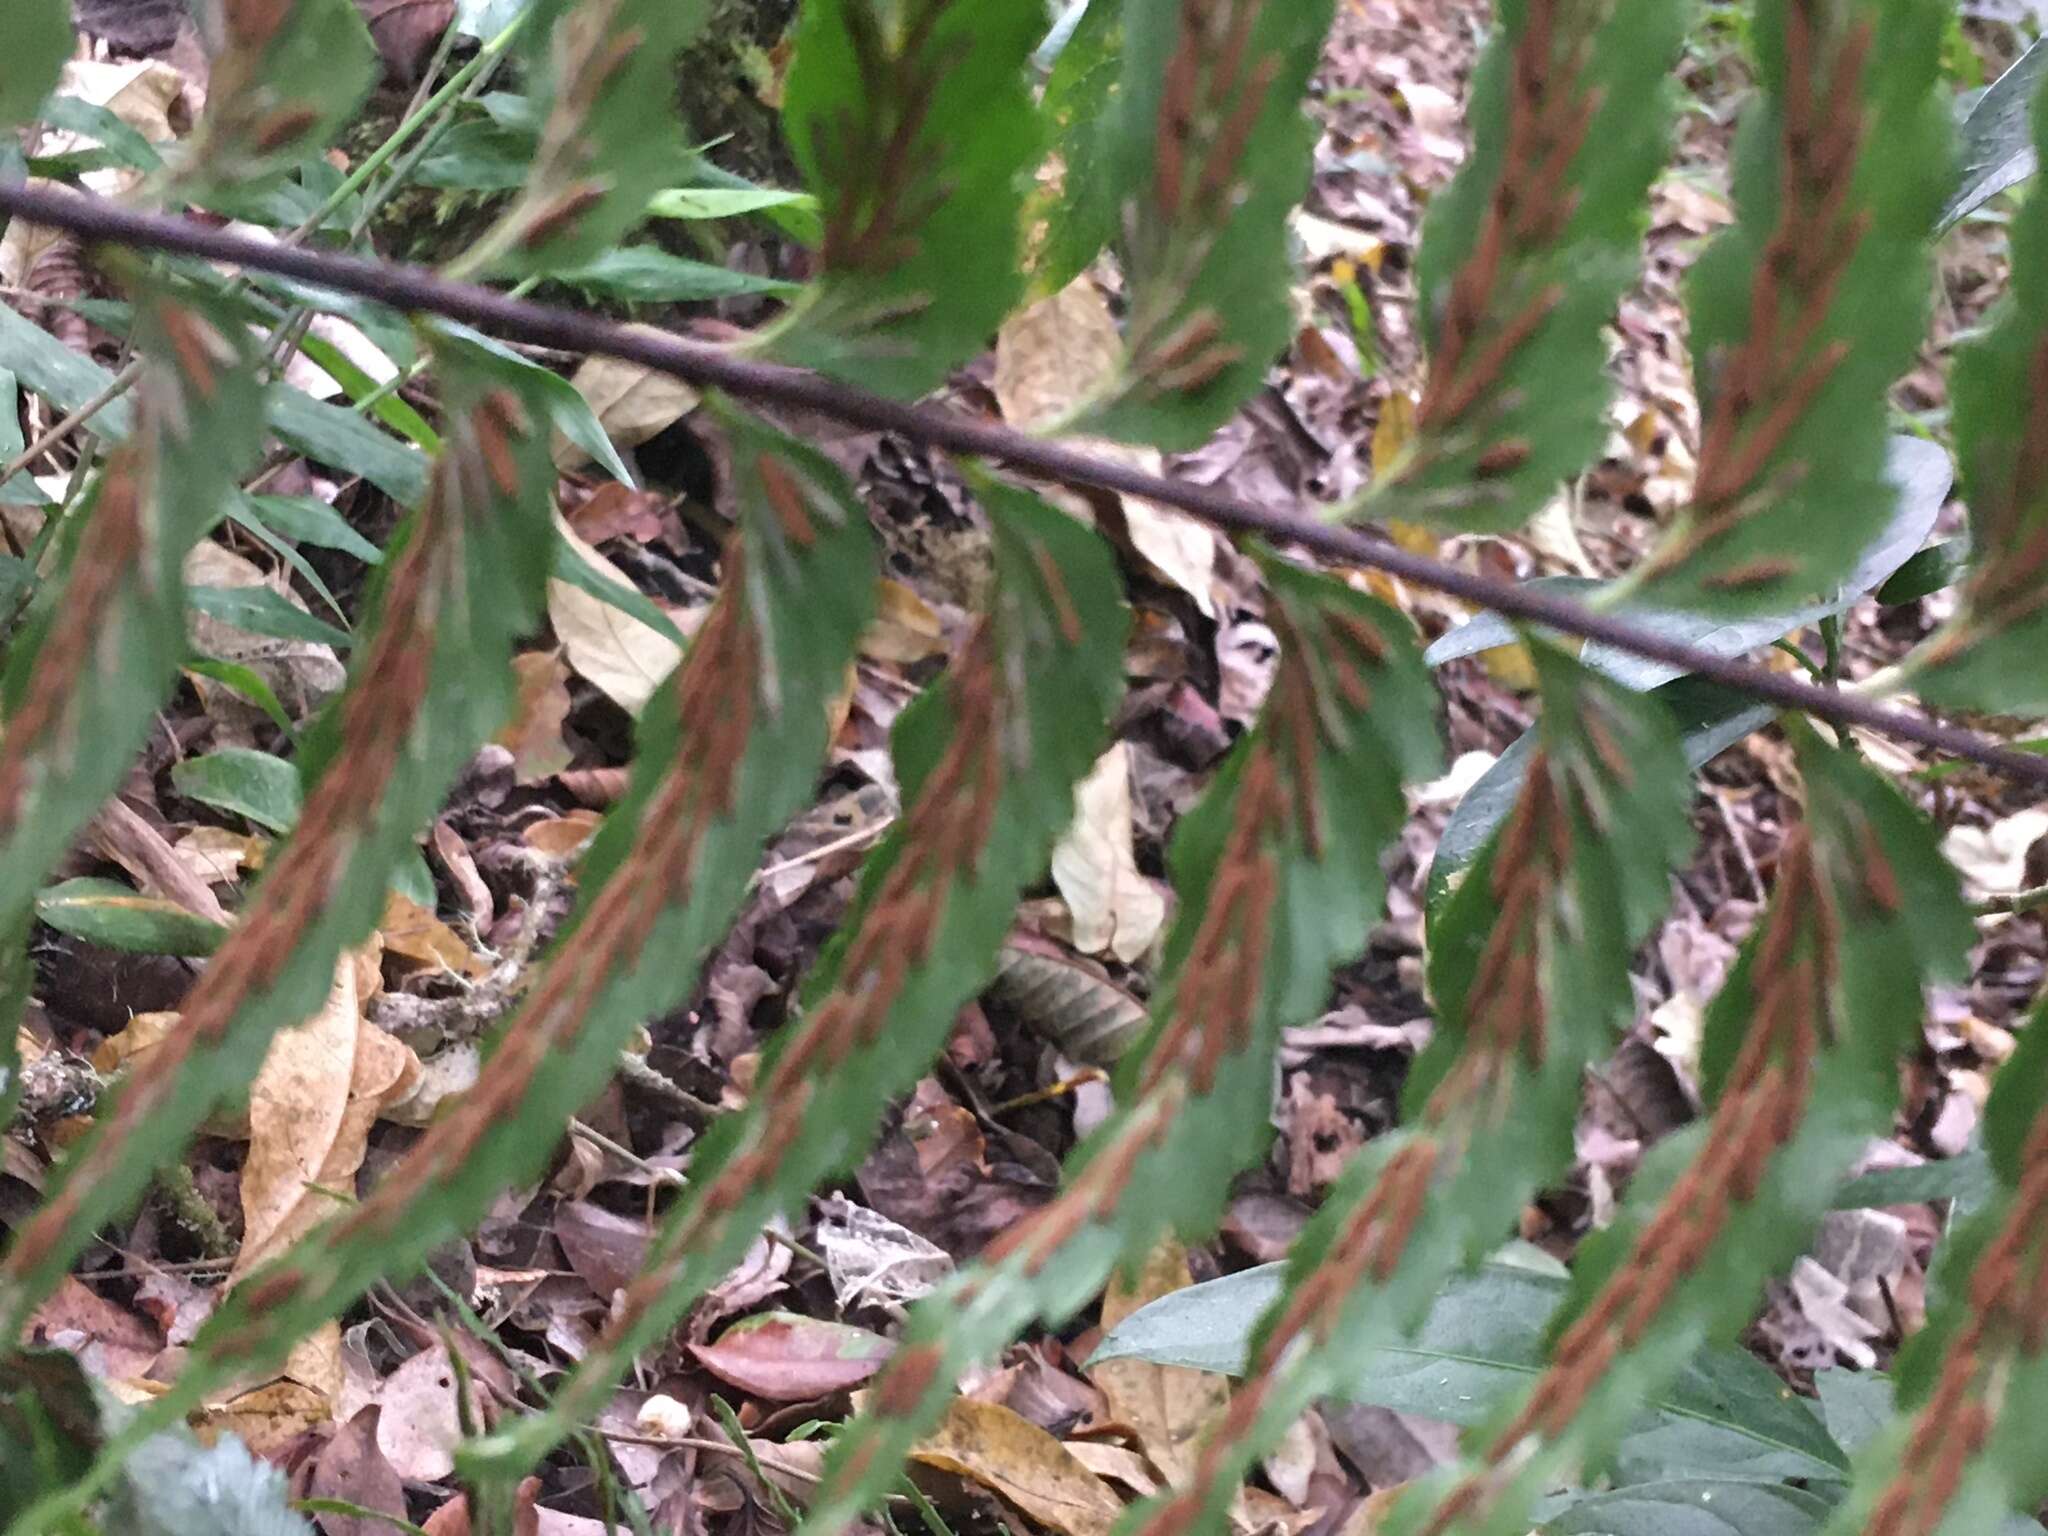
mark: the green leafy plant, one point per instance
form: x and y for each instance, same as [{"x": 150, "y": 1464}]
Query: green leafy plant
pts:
[{"x": 1609, "y": 1398}]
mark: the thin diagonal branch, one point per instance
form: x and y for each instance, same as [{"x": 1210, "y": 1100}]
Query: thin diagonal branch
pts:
[{"x": 413, "y": 289}]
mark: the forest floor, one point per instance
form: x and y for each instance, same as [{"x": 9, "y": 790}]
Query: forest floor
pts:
[{"x": 980, "y": 1143}]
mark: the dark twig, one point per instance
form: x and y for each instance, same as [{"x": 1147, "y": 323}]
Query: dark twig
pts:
[{"x": 412, "y": 289}]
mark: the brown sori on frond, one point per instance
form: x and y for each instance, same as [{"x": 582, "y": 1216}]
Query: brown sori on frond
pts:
[
  {"x": 590, "y": 50},
  {"x": 944, "y": 834},
  {"x": 1214, "y": 1013},
  {"x": 1549, "y": 111},
  {"x": 1766, "y": 384},
  {"x": 1765, "y": 1098},
  {"x": 1507, "y": 1005},
  {"x": 378, "y": 717},
  {"x": 121, "y": 531},
  {"x": 874, "y": 162},
  {"x": 715, "y": 696},
  {"x": 2008, "y": 1315}
]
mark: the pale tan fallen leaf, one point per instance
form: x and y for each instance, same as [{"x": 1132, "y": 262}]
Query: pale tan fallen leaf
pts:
[
  {"x": 443, "y": 1075},
  {"x": 1170, "y": 1407},
  {"x": 1116, "y": 910},
  {"x": 1052, "y": 355},
  {"x": 622, "y": 657},
  {"x": 631, "y": 401},
  {"x": 310, "y": 1111},
  {"x": 219, "y": 856},
  {"x": 1009, "y": 1455},
  {"x": 906, "y": 628}
]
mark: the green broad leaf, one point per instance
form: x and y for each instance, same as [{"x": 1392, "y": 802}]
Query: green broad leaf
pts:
[
  {"x": 1525, "y": 256},
  {"x": 253, "y": 785},
  {"x": 1074, "y": 217},
  {"x": 49, "y": 1424},
  {"x": 390, "y": 409},
  {"x": 1694, "y": 1506},
  {"x": 1997, "y": 147},
  {"x": 646, "y": 274},
  {"x": 115, "y": 916},
  {"x": 249, "y": 684},
  {"x": 1277, "y": 870},
  {"x": 65, "y": 378},
  {"x": 338, "y": 437},
  {"x": 567, "y": 408},
  {"x": 1965, "y": 1178},
  {"x": 432, "y": 679},
  {"x": 103, "y": 637},
  {"x": 1209, "y": 152},
  {"x": 38, "y": 42},
  {"x": 266, "y": 611},
  {"x": 1481, "y": 1342},
  {"x": 603, "y": 73},
  {"x": 1916, "y": 470},
  {"x": 727, "y": 751},
  {"x": 307, "y": 520},
  {"x": 1529, "y": 971},
  {"x": 914, "y": 129},
  {"x": 330, "y": 434},
  {"x": 1808, "y": 307},
  {"x": 723, "y": 202},
  {"x": 120, "y": 144},
  {"x": 1709, "y": 720},
  {"x": 1932, "y": 569},
  {"x": 284, "y": 77},
  {"x": 1987, "y": 657},
  {"x": 1799, "y": 1064},
  {"x": 1023, "y": 714}
]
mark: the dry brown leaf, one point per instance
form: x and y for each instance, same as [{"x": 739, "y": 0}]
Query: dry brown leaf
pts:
[
  {"x": 621, "y": 656},
  {"x": 412, "y": 933},
  {"x": 1053, "y": 354},
  {"x": 1009, "y": 1455},
  {"x": 310, "y": 1111},
  {"x": 1116, "y": 910},
  {"x": 1169, "y": 1407},
  {"x": 534, "y": 734}
]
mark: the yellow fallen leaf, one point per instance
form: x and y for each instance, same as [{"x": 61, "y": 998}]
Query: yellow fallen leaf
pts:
[
  {"x": 1009, "y": 1455},
  {"x": 413, "y": 933},
  {"x": 906, "y": 628},
  {"x": 1170, "y": 1407}
]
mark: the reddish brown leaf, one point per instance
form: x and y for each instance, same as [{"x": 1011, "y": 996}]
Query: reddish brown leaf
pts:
[{"x": 788, "y": 1358}]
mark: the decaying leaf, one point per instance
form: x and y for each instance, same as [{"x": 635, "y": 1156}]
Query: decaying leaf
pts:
[
  {"x": 310, "y": 1111},
  {"x": 1169, "y": 1406}
]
